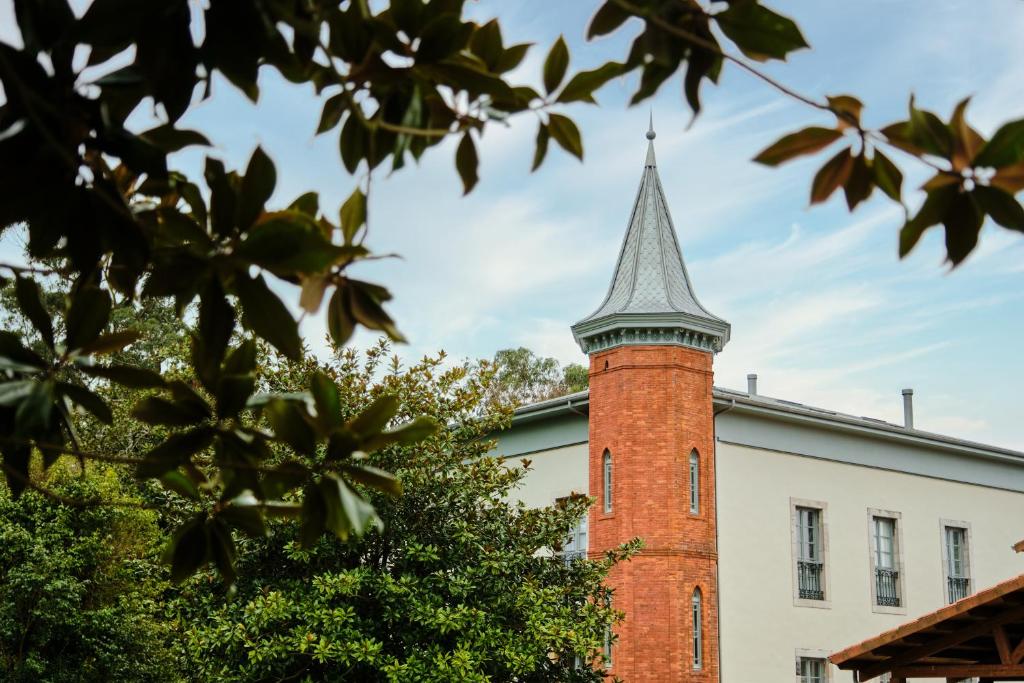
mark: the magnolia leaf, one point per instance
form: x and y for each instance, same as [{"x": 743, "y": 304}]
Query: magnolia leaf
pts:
[
  {"x": 758, "y": 32},
  {"x": 126, "y": 375},
  {"x": 566, "y": 134},
  {"x": 806, "y": 141},
  {"x": 340, "y": 322},
  {"x": 888, "y": 177},
  {"x": 581, "y": 87},
  {"x": 353, "y": 215},
  {"x": 1009, "y": 178},
  {"x": 1001, "y": 206},
  {"x": 159, "y": 411},
  {"x": 860, "y": 183},
  {"x": 328, "y": 401},
  {"x": 257, "y": 186},
  {"x": 466, "y": 162},
  {"x": 372, "y": 477},
  {"x": 264, "y": 314},
  {"x": 86, "y": 399},
  {"x": 1006, "y": 147},
  {"x": 608, "y": 18},
  {"x": 555, "y": 65},
  {"x": 930, "y": 213},
  {"x": 962, "y": 221},
  {"x": 189, "y": 549},
  {"x": 112, "y": 342},
  {"x": 30, "y": 301},
  {"x": 375, "y": 417},
  {"x": 831, "y": 176},
  {"x": 87, "y": 316},
  {"x": 542, "y": 147}
]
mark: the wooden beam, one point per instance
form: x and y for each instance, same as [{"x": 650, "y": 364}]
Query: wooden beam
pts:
[
  {"x": 1018, "y": 653},
  {"x": 939, "y": 644},
  {"x": 1002, "y": 643},
  {"x": 958, "y": 671}
]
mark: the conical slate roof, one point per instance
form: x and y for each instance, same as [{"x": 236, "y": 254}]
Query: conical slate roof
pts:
[{"x": 651, "y": 299}]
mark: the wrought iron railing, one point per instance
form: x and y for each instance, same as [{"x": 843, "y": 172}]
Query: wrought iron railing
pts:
[
  {"x": 887, "y": 587},
  {"x": 570, "y": 556},
  {"x": 809, "y": 574},
  {"x": 959, "y": 588}
]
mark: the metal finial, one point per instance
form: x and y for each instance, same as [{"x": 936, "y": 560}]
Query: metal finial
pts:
[{"x": 650, "y": 130}]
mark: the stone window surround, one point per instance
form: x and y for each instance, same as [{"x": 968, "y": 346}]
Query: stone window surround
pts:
[
  {"x": 900, "y": 567},
  {"x": 969, "y": 554},
  {"x": 805, "y": 653},
  {"x": 794, "y": 503}
]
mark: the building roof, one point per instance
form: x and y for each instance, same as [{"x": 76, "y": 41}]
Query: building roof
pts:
[
  {"x": 651, "y": 298},
  {"x": 766, "y": 406},
  {"x": 980, "y": 635}
]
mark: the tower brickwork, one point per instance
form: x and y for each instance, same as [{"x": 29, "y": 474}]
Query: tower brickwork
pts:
[{"x": 651, "y": 346}]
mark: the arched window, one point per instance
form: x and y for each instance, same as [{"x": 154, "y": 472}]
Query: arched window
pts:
[
  {"x": 698, "y": 630},
  {"x": 694, "y": 482},
  {"x": 607, "y": 470}
]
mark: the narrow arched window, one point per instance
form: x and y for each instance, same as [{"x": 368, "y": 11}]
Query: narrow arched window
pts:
[
  {"x": 607, "y": 470},
  {"x": 694, "y": 482},
  {"x": 698, "y": 630}
]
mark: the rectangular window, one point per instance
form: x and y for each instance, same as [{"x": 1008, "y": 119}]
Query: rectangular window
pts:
[
  {"x": 811, "y": 670},
  {"x": 956, "y": 561},
  {"x": 575, "y": 546},
  {"x": 698, "y": 630},
  {"x": 810, "y": 563},
  {"x": 694, "y": 483},
  {"x": 887, "y": 584}
]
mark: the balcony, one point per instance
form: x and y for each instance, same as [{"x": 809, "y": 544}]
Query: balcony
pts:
[
  {"x": 887, "y": 587},
  {"x": 809, "y": 575},
  {"x": 959, "y": 588}
]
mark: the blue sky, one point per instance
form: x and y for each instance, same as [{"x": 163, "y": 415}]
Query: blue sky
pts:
[{"x": 821, "y": 307}]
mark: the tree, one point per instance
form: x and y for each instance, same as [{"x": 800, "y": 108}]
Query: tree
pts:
[
  {"x": 105, "y": 214},
  {"x": 81, "y": 589},
  {"x": 522, "y": 377},
  {"x": 458, "y": 583}
]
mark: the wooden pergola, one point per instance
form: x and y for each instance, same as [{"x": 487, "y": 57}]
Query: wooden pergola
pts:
[{"x": 980, "y": 636}]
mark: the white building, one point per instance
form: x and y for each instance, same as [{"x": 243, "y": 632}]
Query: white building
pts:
[{"x": 776, "y": 533}]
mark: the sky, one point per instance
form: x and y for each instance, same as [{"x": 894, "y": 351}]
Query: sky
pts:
[{"x": 821, "y": 307}]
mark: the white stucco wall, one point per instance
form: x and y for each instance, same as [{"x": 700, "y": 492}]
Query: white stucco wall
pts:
[
  {"x": 761, "y": 629},
  {"x": 555, "y": 473}
]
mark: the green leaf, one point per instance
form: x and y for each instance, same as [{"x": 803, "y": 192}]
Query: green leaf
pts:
[
  {"x": 758, "y": 32},
  {"x": 307, "y": 203},
  {"x": 180, "y": 484},
  {"x": 931, "y": 213},
  {"x": 16, "y": 458},
  {"x": 1009, "y": 178},
  {"x": 442, "y": 36},
  {"x": 340, "y": 323},
  {"x": 372, "y": 477},
  {"x": 846, "y": 108},
  {"x": 15, "y": 356},
  {"x": 11, "y": 393},
  {"x": 189, "y": 549},
  {"x": 112, "y": 342},
  {"x": 175, "y": 451},
  {"x": 216, "y": 323},
  {"x": 486, "y": 44},
  {"x": 833, "y": 174},
  {"x": 566, "y": 134},
  {"x": 929, "y": 133},
  {"x": 555, "y": 65},
  {"x": 581, "y": 87},
  {"x": 511, "y": 57},
  {"x": 466, "y": 162},
  {"x": 328, "y": 401},
  {"x": 87, "y": 399},
  {"x": 257, "y": 186},
  {"x": 30, "y": 301},
  {"x": 171, "y": 139},
  {"x": 353, "y": 215},
  {"x": 222, "y": 549},
  {"x": 233, "y": 391},
  {"x": 289, "y": 423},
  {"x": 353, "y": 143},
  {"x": 33, "y": 414},
  {"x": 375, "y": 416},
  {"x": 364, "y": 301},
  {"x": 126, "y": 375},
  {"x": 88, "y": 315},
  {"x": 264, "y": 314},
  {"x": 245, "y": 518},
  {"x": 334, "y": 107},
  {"x": 1005, "y": 148},
  {"x": 887, "y": 176},
  {"x": 860, "y": 183},
  {"x": 608, "y": 18},
  {"x": 314, "y": 512},
  {"x": 806, "y": 141},
  {"x": 346, "y": 512},
  {"x": 159, "y": 411},
  {"x": 288, "y": 242},
  {"x": 411, "y": 432},
  {"x": 222, "y": 198},
  {"x": 542, "y": 147},
  {"x": 962, "y": 221},
  {"x": 1001, "y": 206}
]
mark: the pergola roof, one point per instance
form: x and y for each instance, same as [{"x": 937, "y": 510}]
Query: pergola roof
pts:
[{"x": 981, "y": 635}]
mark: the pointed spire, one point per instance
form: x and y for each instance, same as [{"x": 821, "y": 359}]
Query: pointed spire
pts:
[
  {"x": 651, "y": 299},
  {"x": 650, "y": 142}
]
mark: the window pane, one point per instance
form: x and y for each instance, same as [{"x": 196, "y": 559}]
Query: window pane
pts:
[
  {"x": 607, "y": 481},
  {"x": 812, "y": 670},
  {"x": 694, "y": 483},
  {"x": 698, "y": 635}
]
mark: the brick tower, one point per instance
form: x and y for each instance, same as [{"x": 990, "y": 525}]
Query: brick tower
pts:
[{"x": 652, "y": 461}]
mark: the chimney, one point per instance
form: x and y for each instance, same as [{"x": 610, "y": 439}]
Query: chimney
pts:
[
  {"x": 752, "y": 384},
  {"x": 908, "y": 408}
]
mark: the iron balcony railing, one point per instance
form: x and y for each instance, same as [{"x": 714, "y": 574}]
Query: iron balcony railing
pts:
[
  {"x": 959, "y": 588},
  {"x": 570, "y": 556},
  {"x": 808, "y": 575},
  {"x": 887, "y": 587}
]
